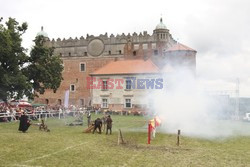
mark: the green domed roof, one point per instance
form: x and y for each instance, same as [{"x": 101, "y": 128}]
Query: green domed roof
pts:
[
  {"x": 43, "y": 33},
  {"x": 161, "y": 25}
]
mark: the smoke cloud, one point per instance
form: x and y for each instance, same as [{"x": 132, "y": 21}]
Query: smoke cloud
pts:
[{"x": 184, "y": 105}]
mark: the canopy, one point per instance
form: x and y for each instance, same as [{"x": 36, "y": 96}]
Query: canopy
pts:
[
  {"x": 38, "y": 105},
  {"x": 24, "y": 104}
]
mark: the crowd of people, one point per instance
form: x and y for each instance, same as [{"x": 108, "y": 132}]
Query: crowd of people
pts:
[
  {"x": 25, "y": 115},
  {"x": 10, "y": 113}
]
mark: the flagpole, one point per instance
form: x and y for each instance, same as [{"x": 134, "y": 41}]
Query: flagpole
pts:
[{"x": 149, "y": 132}]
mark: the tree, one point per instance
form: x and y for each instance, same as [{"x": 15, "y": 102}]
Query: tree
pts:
[
  {"x": 13, "y": 57},
  {"x": 45, "y": 69},
  {"x": 21, "y": 74}
]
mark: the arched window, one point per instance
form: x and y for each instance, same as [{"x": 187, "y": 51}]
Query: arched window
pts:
[{"x": 72, "y": 87}]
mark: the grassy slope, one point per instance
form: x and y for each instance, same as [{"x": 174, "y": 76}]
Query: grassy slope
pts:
[{"x": 68, "y": 146}]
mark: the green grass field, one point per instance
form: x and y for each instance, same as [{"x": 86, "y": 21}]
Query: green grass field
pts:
[{"x": 68, "y": 146}]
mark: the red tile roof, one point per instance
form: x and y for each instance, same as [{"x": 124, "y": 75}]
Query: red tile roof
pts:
[
  {"x": 128, "y": 67},
  {"x": 180, "y": 46}
]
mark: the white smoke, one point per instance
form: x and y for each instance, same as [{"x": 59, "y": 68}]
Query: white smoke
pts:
[{"x": 183, "y": 105}]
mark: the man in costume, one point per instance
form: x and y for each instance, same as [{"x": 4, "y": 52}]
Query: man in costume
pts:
[
  {"x": 98, "y": 124},
  {"x": 24, "y": 123},
  {"x": 109, "y": 125}
]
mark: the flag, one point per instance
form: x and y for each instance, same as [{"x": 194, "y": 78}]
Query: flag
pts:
[
  {"x": 157, "y": 121},
  {"x": 66, "y": 99}
]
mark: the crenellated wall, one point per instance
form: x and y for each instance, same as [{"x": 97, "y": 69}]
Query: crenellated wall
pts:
[{"x": 114, "y": 46}]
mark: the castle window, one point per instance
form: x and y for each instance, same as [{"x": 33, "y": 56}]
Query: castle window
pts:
[
  {"x": 72, "y": 88},
  {"x": 104, "y": 85},
  {"x": 134, "y": 53},
  {"x": 145, "y": 46},
  {"x": 82, "y": 67},
  {"x": 59, "y": 102},
  {"x": 155, "y": 52},
  {"x": 104, "y": 103},
  {"x": 81, "y": 102},
  {"x": 153, "y": 45},
  {"x": 109, "y": 52},
  {"x": 120, "y": 52},
  {"x": 128, "y": 103},
  {"x": 85, "y": 54},
  {"x": 60, "y": 54},
  {"x": 136, "y": 46},
  {"x": 128, "y": 84},
  {"x": 69, "y": 54},
  {"x": 46, "y": 101}
]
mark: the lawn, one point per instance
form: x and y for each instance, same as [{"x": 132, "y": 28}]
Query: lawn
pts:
[{"x": 69, "y": 146}]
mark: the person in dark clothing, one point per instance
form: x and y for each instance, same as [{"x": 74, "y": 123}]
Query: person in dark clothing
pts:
[
  {"x": 98, "y": 124},
  {"x": 109, "y": 125},
  {"x": 24, "y": 123}
]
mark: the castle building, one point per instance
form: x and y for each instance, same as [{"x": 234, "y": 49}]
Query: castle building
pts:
[{"x": 94, "y": 56}]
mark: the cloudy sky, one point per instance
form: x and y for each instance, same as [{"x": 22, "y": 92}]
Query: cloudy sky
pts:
[{"x": 217, "y": 29}]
